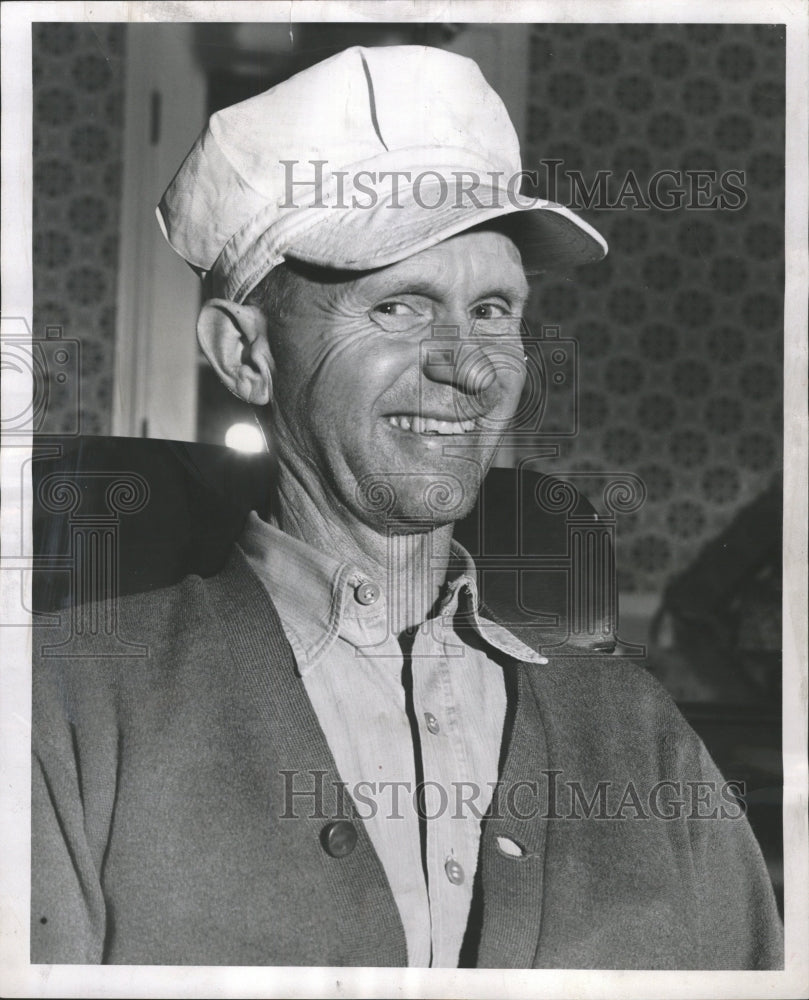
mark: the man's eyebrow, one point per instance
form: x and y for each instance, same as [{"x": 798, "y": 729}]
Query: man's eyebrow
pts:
[
  {"x": 513, "y": 291},
  {"x": 516, "y": 292},
  {"x": 406, "y": 286}
]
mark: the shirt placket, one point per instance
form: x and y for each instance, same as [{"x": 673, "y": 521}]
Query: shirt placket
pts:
[
  {"x": 393, "y": 831},
  {"x": 450, "y": 849}
]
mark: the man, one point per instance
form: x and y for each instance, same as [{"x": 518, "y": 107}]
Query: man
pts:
[{"x": 332, "y": 755}]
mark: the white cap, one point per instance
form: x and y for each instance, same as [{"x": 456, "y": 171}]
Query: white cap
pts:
[{"x": 358, "y": 162}]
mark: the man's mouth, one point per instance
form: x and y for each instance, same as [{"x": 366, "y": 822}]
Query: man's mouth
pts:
[{"x": 430, "y": 425}]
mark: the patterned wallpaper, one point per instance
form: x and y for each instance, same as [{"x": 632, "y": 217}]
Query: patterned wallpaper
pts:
[
  {"x": 680, "y": 328},
  {"x": 78, "y": 72}
]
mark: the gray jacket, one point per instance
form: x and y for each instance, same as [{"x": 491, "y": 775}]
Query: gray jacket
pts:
[{"x": 164, "y": 830}]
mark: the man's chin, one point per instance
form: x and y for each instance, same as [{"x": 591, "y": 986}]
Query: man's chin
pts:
[{"x": 423, "y": 499}]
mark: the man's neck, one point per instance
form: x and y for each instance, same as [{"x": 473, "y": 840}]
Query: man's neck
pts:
[{"x": 409, "y": 565}]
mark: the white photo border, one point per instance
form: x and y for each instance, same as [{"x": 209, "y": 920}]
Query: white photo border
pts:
[{"x": 18, "y": 978}]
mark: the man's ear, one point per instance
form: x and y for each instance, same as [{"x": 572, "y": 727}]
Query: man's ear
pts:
[{"x": 234, "y": 340}]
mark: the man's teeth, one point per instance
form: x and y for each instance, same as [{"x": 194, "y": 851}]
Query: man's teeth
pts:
[{"x": 427, "y": 425}]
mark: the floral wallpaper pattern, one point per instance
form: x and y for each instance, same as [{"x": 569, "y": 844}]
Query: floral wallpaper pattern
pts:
[
  {"x": 78, "y": 73},
  {"x": 680, "y": 329}
]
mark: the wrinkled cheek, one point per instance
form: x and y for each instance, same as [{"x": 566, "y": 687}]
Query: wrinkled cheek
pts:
[{"x": 331, "y": 410}]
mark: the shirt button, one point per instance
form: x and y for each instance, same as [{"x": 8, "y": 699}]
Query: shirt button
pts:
[
  {"x": 454, "y": 871},
  {"x": 367, "y": 593},
  {"x": 432, "y": 723},
  {"x": 339, "y": 839}
]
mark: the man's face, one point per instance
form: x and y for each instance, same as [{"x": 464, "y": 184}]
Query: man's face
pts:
[{"x": 392, "y": 389}]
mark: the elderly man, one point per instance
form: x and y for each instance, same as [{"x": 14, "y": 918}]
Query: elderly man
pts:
[{"x": 332, "y": 755}]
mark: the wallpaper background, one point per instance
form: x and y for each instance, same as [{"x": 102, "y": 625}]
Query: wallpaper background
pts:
[
  {"x": 78, "y": 76},
  {"x": 679, "y": 330}
]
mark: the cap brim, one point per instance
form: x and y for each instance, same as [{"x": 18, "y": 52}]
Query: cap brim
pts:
[{"x": 548, "y": 235}]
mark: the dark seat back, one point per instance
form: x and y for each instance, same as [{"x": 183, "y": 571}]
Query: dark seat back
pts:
[{"x": 115, "y": 516}]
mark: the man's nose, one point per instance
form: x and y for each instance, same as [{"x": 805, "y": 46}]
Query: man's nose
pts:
[
  {"x": 463, "y": 365},
  {"x": 471, "y": 365}
]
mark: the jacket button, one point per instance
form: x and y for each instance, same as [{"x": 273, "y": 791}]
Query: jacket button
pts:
[
  {"x": 367, "y": 593},
  {"x": 510, "y": 847},
  {"x": 339, "y": 839}
]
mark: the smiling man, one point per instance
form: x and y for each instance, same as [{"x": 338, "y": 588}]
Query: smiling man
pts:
[
  {"x": 360, "y": 403},
  {"x": 332, "y": 754}
]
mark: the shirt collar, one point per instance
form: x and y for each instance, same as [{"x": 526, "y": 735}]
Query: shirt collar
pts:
[{"x": 317, "y": 596}]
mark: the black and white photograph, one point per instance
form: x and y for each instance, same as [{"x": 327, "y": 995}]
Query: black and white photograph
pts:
[{"x": 404, "y": 500}]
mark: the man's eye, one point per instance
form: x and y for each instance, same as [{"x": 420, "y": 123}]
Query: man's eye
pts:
[
  {"x": 394, "y": 309},
  {"x": 490, "y": 310}
]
